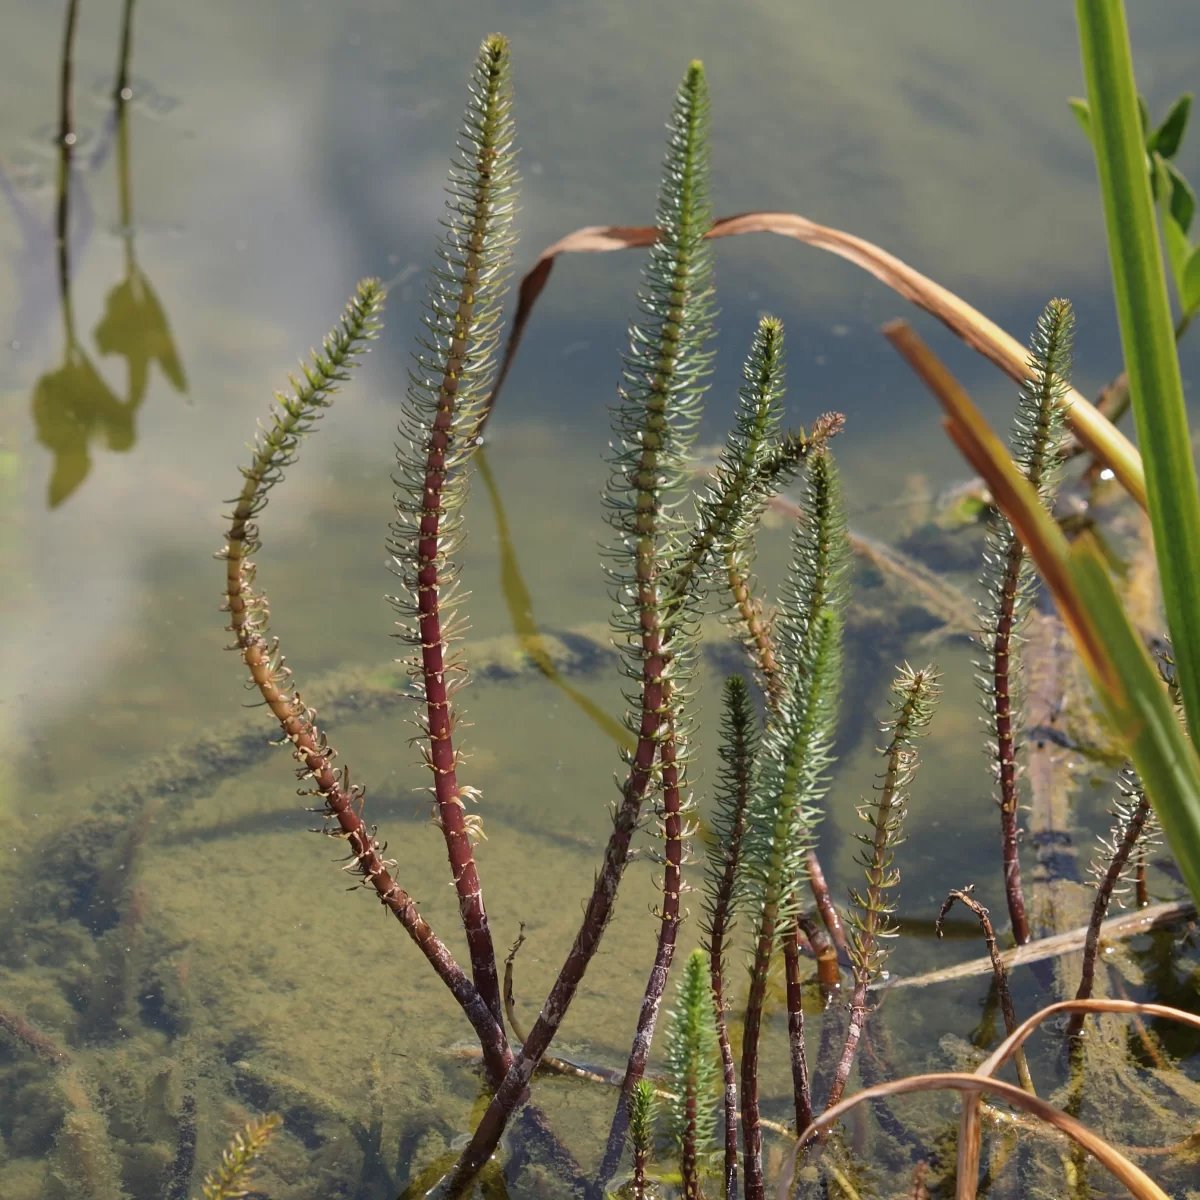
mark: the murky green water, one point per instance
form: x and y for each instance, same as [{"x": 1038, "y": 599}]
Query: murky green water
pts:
[{"x": 169, "y": 921}]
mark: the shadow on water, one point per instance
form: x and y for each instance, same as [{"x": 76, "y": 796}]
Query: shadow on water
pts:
[{"x": 73, "y": 405}]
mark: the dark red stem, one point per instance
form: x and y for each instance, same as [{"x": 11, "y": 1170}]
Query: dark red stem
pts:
[
  {"x": 441, "y": 756},
  {"x": 687, "y": 1156},
  {"x": 1006, "y": 753},
  {"x": 801, "y": 1088},
  {"x": 656, "y": 985},
  {"x": 751, "y": 1130},
  {"x": 1133, "y": 831},
  {"x": 599, "y": 909},
  {"x": 825, "y": 904}
]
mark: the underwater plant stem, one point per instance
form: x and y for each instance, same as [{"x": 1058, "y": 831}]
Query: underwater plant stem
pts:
[
  {"x": 825, "y": 904},
  {"x": 1104, "y": 894},
  {"x": 801, "y": 1088},
  {"x": 751, "y": 1132},
  {"x": 66, "y": 78},
  {"x": 1006, "y": 754},
  {"x": 121, "y": 91},
  {"x": 829, "y": 971},
  {"x": 999, "y": 974},
  {"x": 29, "y": 1035}
]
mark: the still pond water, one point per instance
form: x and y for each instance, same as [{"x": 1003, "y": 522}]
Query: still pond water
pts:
[{"x": 168, "y": 921}]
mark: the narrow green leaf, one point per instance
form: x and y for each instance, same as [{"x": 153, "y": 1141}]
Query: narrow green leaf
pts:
[
  {"x": 1147, "y": 332},
  {"x": 1144, "y": 715},
  {"x": 1183, "y": 197},
  {"x": 1144, "y": 115},
  {"x": 1082, "y": 114},
  {"x": 1189, "y": 285},
  {"x": 1166, "y": 138}
]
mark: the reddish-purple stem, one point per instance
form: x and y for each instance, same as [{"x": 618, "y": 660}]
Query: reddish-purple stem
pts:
[
  {"x": 1104, "y": 893},
  {"x": 343, "y": 803},
  {"x": 1006, "y": 752},
  {"x": 801, "y": 1088},
  {"x": 599, "y": 908},
  {"x": 825, "y": 904},
  {"x": 656, "y": 985}
]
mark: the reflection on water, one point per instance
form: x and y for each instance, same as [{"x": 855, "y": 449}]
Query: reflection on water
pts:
[{"x": 74, "y": 407}]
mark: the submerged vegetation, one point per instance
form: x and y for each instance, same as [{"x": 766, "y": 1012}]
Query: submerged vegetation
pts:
[{"x": 118, "y": 1112}]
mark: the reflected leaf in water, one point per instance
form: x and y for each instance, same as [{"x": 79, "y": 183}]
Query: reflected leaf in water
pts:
[
  {"x": 71, "y": 406},
  {"x": 135, "y": 327}
]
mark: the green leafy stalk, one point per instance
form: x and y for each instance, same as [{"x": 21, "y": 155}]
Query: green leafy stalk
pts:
[
  {"x": 914, "y": 694},
  {"x": 691, "y": 1063},
  {"x": 658, "y": 409},
  {"x": 1147, "y": 334},
  {"x": 1008, "y": 579},
  {"x": 730, "y": 507},
  {"x": 793, "y": 760},
  {"x": 233, "y": 1177},
  {"x": 643, "y": 1110},
  {"x": 654, "y": 421},
  {"x": 750, "y": 624},
  {"x": 448, "y": 386},
  {"x": 739, "y": 743}
]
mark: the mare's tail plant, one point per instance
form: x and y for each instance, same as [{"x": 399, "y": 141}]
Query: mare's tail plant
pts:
[
  {"x": 914, "y": 695},
  {"x": 691, "y": 1067},
  {"x": 791, "y": 774},
  {"x": 448, "y": 383},
  {"x": 654, "y": 420},
  {"x": 1134, "y": 827},
  {"x": 739, "y": 742},
  {"x": 446, "y": 388},
  {"x": 643, "y": 1109},
  {"x": 1008, "y": 579}
]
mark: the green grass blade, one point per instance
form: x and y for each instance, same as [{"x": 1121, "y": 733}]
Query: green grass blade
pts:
[
  {"x": 1143, "y": 713},
  {"x": 1147, "y": 331}
]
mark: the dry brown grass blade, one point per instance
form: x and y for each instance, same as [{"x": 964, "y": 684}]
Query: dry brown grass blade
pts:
[
  {"x": 1016, "y": 1039},
  {"x": 1089, "y": 425},
  {"x": 1132, "y": 1176}
]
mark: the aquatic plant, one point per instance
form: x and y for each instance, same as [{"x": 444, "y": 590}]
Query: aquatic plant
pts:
[
  {"x": 1008, "y": 578},
  {"x": 229, "y": 1181},
  {"x": 774, "y": 781},
  {"x": 691, "y": 1069}
]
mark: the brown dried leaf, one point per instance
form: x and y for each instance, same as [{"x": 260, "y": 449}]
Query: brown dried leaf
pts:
[{"x": 1090, "y": 426}]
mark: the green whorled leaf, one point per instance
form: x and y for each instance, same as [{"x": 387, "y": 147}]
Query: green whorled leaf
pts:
[
  {"x": 659, "y": 404},
  {"x": 1189, "y": 284},
  {"x": 1147, "y": 332},
  {"x": 737, "y": 749},
  {"x": 792, "y": 777},
  {"x": 691, "y": 1060},
  {"x": 453, "y": 365},
  {"x": 729, "y": 508},
  {"x": 1168, "y": 136},
  {"x": 1082, "y": 114},
  {"x": 817, "y": 577}
]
